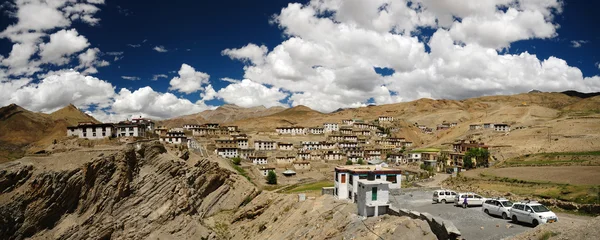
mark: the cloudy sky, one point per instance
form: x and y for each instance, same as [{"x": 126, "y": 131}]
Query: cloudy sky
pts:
[{"x": 115, "y": 59}]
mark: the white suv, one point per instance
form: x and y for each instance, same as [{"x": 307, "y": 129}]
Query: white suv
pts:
[
  {"x": 472, "y": 199},
  {"x": 443, "y": 196},
  {"x": 532, "y": 212},
  {"x": 497, "y": 206}
]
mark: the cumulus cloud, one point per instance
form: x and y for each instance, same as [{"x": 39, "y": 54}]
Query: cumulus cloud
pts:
[
  {"x": 578, "y": 43},
  {"x": 62, "y": 44},
  {"x": 332, "y": 48},
  {"x": 147, "y": 102},
  {"x": 189, "y": 80},
  {"x": 250, "y": 52},
  {"x": 58, "y": 90},
  {"x": 251, "y": 94},
  {"x": 231, "y": 80},
  {"x": 160, "y": 49}
]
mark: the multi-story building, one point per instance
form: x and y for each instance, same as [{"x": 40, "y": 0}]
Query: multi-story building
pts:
[
  {"x": 311, "y": 145},
  {"x": 246, "y": 153},
  {"x": 348, "y": 122},
  {"x": 372, "y": 198},
  {"x": 501, "y": 127},
  {"x": 346, "y": 131},
  {"x": 337, "y": 138},
  {"x": 147, "y": 122},
  {"x": 316, "y": 130},
  {"x": 265, "y": 145},
  {"x": 351, "y": 138},
  {"x": 91, "y": 130},
  {"x": 258, "y": 160},
  {"x": 328, "y": 145},
  {"x": 331, "y": 127},
  {"x": 285, "y": 160},
  {"x": 346, "y": 179},
  {"x": 333, "y": 156},
  {"x": 174, "y": 137},
  {"x": 285, "y": 146},
  {"x": 303, "y": 155},
  {"x": 347, "y": 144},
  {"x": 226, "y": 143},
  {"x": 130, "y": 129},
  {"x": 295, "y": 130},
  {"x": 228, "y": 152},
  {"x": 302, "y": 165},
  {"x": 385, "y": 119}
]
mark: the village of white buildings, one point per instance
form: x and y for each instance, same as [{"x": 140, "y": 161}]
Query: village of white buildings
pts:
[{"x": 367, "y": 154}]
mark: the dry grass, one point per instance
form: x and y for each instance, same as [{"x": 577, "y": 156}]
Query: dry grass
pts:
[{"x": 578, "y": 175}]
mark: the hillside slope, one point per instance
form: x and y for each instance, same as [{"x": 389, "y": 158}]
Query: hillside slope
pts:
[
  {"x": 21, "y": 129},
  {"x": 223, "y": 114}
]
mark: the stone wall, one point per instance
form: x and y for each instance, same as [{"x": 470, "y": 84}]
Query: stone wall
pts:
[{"x": 443, "y": 229}]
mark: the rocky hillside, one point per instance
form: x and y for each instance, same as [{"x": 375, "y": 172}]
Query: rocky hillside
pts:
[
  {"x": 21, "y": 129},
  {"x": 141, "y": 192}
]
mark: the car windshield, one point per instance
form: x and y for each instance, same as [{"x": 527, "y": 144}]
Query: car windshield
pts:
[
  {"x": 507, "y": 203},
  {"x": 539, "y": 208},
  {"x": 435, "y": 194}
]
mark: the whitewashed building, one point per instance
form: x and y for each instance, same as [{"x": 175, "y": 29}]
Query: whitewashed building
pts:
[
  {"x": 500, "y": 127},
  {"x": 372, "y": 198},
  {"x": 242, "y": 143},
  {"x": 246, "y": 153},
  {"x": 129, "y": 129},
  {"x": 265, "y": 145},
  {"x": 333, "y": 156},
  {"x": 385, "y": 119},
  {"x": 285, "y": 146},
  {"x": 174, "y": 138},
  {"x": 91, "y": 130},
  {"x": 303, "y": 155},
  {"x": 258, "y": 160},
  {"x": 348, "y": 122},
  {"x": 346, "y": 131},
  {"x": 346, "y": 179},
  {"x": 227, "y": 152},
  {"x": 303, "y": 165},
  {"x": 351, "y": 138},
  {"x": 331, "y": 127},
  {"x": 265, "y": 170},
  {"x": 475, "y": 127},
  {"x": 285, "y": 160},
  {"x": 189, "y": 126},
  {"x": 297, "y": 130},
  {"x": 316, "y": 130},
  {"x": 311, "y": 145},
  {"x": 147, "y": 122}
]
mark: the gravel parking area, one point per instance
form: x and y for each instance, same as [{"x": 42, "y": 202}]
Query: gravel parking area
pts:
[{"x": 472, "y": 222}]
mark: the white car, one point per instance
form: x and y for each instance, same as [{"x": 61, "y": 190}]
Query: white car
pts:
[
  {"x": 443, "y": 196},
  {"x": 472, "y": 199},
  {"x": 532, "y": 212},
  {"x": 497, "y": 206}
]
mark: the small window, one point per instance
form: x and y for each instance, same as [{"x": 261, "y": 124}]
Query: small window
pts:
[
  {"x": 343, "y": 178},
  {"x": 453, "y": 193},
  {"x": 374, "y": 194},
  {"x": 442, "y": 193}
]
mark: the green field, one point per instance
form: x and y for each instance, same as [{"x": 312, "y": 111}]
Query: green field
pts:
[
  {"x": 591, "y": 158},
  {"x": 309, "y": 187}
]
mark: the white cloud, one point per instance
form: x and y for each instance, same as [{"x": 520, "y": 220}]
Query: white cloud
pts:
[
  {"x": 231, "y": 80},
  {"x": 160, "y": 49},
  {"x": 598, "y": 65},
  {"x": 114, "y": 53},
  {"x": 62, "y": 45},
  {"x": 18, "y": 59},
  {"x": 328, "y": 59},
  {"x": 58, "y": 90},
  {"x": 251, "y": 94},
  {"x": 209, "y": 93},
  {"x": 155, "y": 77},
  {"x": 134, "y": 45},
  {"x": 189, "y": 80},
  {"x": 578, "y": 43},
  {"x": 147, "y": 102},
  {"x": 130, "y": 78},
  {"x": 250, "y": 52}
]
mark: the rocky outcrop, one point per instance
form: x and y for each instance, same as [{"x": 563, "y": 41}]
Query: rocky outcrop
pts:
[{"x": 137, "y": 193}]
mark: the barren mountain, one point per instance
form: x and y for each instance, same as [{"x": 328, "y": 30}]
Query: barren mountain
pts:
[
  {"x": 20, "y": 128},
  {"x": 223, "y": 114}
]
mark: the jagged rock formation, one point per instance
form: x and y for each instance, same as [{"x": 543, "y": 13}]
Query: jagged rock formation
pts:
[{"x": 137, "y": 193}]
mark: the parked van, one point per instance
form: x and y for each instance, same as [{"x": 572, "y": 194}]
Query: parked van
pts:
[
  {"x": 532, "y": 212},
  {"x": 472, "y": 199},
  {"x": 443, "y": 196},
  {"x": 497, "y": 206}
]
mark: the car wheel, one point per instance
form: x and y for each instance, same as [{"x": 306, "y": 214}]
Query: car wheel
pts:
[
  {"x": 486, "y": 211},
  {"x": 514, "y": 219},
  {"x": 535, "y": 223},
  {"x": 504, "y": 216},
  {"x": 444, "y": 201}
]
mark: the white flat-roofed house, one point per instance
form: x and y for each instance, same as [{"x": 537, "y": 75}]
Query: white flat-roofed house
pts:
[
  {"x": 414, "y": 157},
  {"x": 354, "y": 158},
  {"x": 355, "y": 151},
  {"x": 372, "y": 198},
  {"x": 174, "y": 138},
  {"x": 488, "y": 125},
  {"x": 362, "y": 125},
  {"x": 337, "y": 138},
  {"x": 265, "y": 145},
  {"x": 333, "y": 156},
  {"x": 315, "y": 156},
  {"x": 265, "y": 170},
  {"x": 296, "y": 130},
  {"x": 210, "y": 125},
  {"x": 373, "y": 154},
  {"x": 311, "y": 145},
  {"x": 228, "y": 152},
  {"x": 453, "y": 124},
  {"x": 129, "y": 129},
  {"x": 348, "y": 122},
  {"x": 500, "y": 127},
  {"x": 303, "y": 165},
  {"x": 285, "y": 146},
  {"x": 285, "y": 160},
  {"x": 242, "y": 143},
  {"x": 91, "y": 130},
  {"x": 362, "y": 133},
  {"x": 304, "y": 155},
  {"x": 189, "y": 126},
  {"x": 226, "y": 143},
  {"x": 232, "y": 128},
  {"x": 346, "y": 178},
  {"x": 258, "y": 160},
  {"x": 348, "y": 144},
  {"x": 351, "y": 138},
  {"x": 328, "y": 145},
  {"x": 316, "y": 130},
  {"x": 385, "y": 119},
  {"x": 397, "y": 158},
  {"x": 345, "y": 131},
  {"x": 331, "y": 127}
]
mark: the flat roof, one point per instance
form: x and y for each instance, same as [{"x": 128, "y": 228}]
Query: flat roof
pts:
[{"x": 366, "y": 169}]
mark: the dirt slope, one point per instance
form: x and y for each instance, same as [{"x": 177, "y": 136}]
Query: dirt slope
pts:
[{"x": 223, "y": 114}]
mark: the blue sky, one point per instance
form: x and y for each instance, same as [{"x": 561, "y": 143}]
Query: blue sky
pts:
[{"x": 320, "y": 54}]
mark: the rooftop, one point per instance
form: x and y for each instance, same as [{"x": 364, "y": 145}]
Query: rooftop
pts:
[{"x": 365, "y": 168}]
